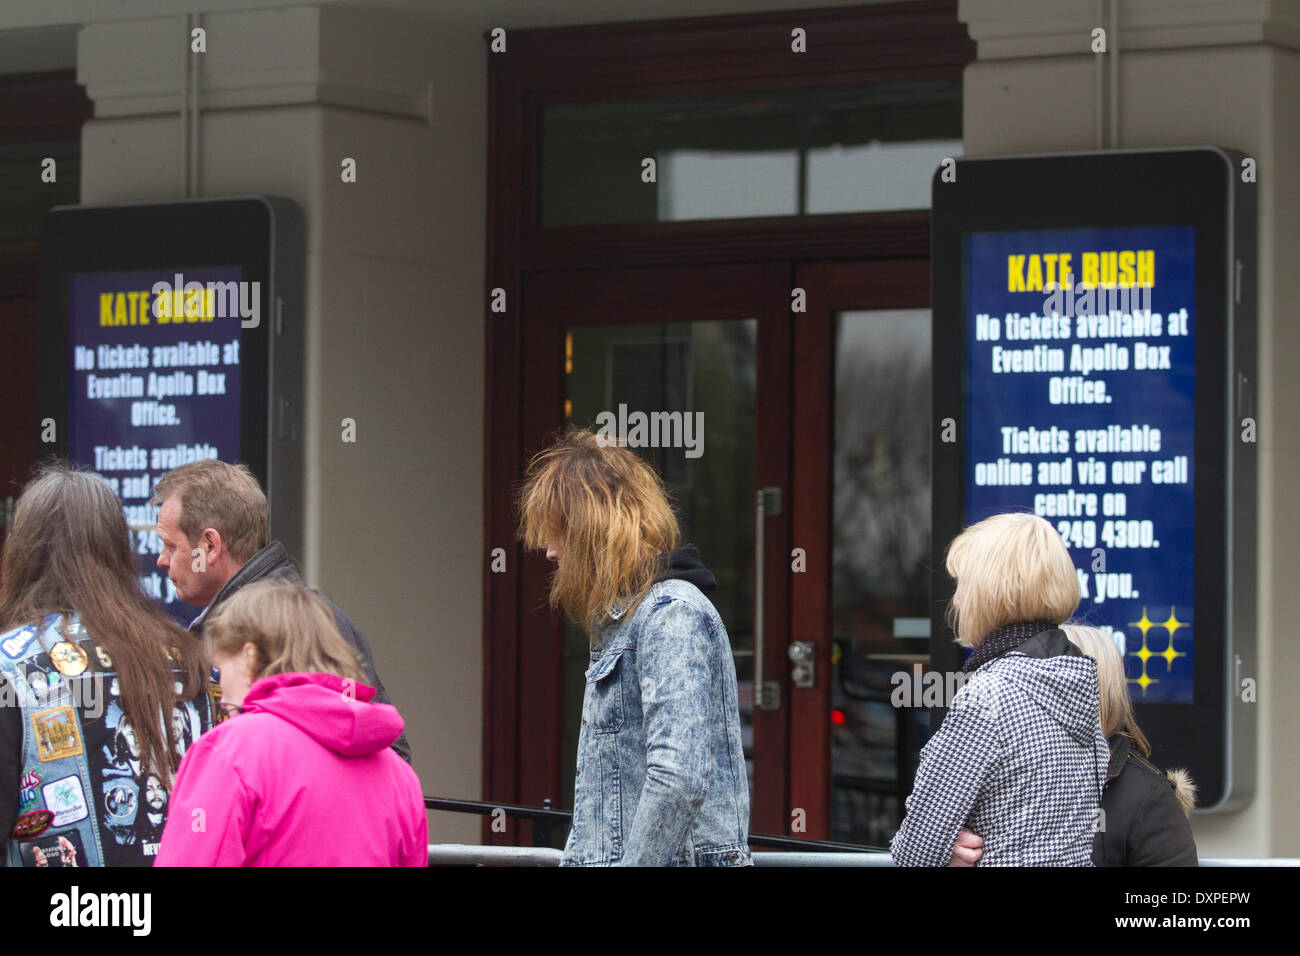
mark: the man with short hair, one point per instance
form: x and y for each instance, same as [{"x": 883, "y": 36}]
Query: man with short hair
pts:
[{"x": 215, "y": 531}]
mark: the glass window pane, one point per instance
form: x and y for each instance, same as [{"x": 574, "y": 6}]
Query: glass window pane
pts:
[
  {"x": 881, "y": 545},
  {"x": 766, "y": 153}
]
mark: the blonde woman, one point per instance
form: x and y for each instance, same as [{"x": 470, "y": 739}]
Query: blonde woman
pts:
[
  {"x": 661, "y": 770},
  {"x": 1145, "y": 813},
  {"x": 1020, "y": 758}
]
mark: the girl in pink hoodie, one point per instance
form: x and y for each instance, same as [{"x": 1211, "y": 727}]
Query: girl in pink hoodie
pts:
[{"x": 303, "y": 773}]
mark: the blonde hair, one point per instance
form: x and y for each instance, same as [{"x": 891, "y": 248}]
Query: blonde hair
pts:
[
  {"x": 1009, "y": 568},
  {"x": 1116, "y": 706},
  {"x": 609, "y": 510},
  {"x": 291, "y": 630}
]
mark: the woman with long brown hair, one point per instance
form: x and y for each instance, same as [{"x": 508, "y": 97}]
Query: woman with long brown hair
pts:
[
  {"x": 661, "y": 768},
  {"x": 99, "y": 690}
]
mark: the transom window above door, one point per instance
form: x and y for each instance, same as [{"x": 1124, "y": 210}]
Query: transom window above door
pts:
[{"x": 789, "y": 152}]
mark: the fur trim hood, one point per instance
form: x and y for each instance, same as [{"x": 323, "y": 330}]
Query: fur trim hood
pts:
[{"x": 1184, "y": 788}]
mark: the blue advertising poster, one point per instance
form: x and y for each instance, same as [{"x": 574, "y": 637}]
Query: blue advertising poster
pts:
[
  {"x": 155, "y": 378},
  {"x": 1080, "y": 408}
]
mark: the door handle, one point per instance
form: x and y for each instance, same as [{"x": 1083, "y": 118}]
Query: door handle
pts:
[
  {"x": 767, "y": 503},
  {"x": 803, "y": 658}
]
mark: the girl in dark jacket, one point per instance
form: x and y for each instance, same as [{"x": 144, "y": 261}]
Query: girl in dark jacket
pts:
[{"x": 1145, "y": 813}]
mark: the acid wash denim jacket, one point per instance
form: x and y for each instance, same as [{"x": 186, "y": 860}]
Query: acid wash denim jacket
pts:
[{"x": 661, "y": 770}]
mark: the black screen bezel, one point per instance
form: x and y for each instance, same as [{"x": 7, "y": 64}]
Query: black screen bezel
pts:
[
  {"x": 170, "y": 237},
  {"x": 1191, "y": 187}
]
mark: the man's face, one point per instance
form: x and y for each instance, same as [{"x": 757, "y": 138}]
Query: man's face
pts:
[
  {"x": 181, "y": 727},
  {"x": 176, "y": 558},
  {"x": 128, "y": 737},
  {"x": 155, "y": 797}
]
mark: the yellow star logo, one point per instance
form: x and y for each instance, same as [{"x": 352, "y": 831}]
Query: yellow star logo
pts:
[
  {"x": 1143, "y": 625},
  {"x": 1169, "y": 654},
  {"x": 1145, "y": 653},
  {"x": 1173, "y": 623}
]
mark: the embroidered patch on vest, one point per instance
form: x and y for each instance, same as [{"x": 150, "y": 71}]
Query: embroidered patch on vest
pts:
[
  {"x": 66, "y": 799},
  {"x": 31, "y": 825},
  {"x": 218, "y": 712},
  {"x": 68, "y": 659},
  {"x": 27, "y": 790},
  {"x": 63, "y": 850},
  {"x": 56, "y": 733},
  {"x": 15, "y": 646}
]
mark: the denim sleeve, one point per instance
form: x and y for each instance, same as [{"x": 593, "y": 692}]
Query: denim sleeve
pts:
[
  {"x": 674, "y": 654},
  {"x": 953, "y": 769}
]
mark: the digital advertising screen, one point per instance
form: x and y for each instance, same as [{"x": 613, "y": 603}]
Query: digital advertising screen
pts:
[
  {"x": 154, "y": 384},
  {"x": 1081, "y": 407},
  {"x": 1094, "y": 364},
  {"x": 170, "y": 333}
]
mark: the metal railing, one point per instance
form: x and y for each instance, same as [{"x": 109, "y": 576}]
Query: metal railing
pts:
[
  {"x": 545, "y": 817},
  {"x": 792, "y": 852},
  {"x": 460, "y": 854}
]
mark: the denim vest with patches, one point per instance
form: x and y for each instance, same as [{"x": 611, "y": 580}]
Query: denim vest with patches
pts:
[{"x": 82, "y": 798}]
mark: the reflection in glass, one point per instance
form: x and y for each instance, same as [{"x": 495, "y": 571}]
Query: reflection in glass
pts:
[
  {"x": 703, "y": 369},
  {"x": 733, "y": 155},
  {"x": 881, "y": 544}
]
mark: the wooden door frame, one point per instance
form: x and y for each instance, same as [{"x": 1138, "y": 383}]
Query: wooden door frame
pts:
[
  {"x": 830, "y": 288},
  {"x": 853, "y": 46},
  {"x": 637, "y": 296},
  {"x": 34, "y": 107}
]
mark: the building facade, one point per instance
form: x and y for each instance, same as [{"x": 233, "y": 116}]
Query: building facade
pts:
[{"x": 500, "y": 266}]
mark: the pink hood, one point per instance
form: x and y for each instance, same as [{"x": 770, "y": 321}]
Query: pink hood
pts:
[
  {"x": 304, "y": 775},
  {"x": 328, "y": 709}
]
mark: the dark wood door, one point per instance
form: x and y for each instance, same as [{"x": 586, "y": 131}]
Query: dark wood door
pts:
[
  {"x": 860, "y": 515},
  {"x": 714, "y": 342},
  {"x": 19, "y": 427}
]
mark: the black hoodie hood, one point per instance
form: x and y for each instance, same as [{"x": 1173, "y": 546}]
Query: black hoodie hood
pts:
[{"x": 685, "y": 564}]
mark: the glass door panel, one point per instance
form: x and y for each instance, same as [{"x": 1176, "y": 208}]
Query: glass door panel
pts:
[
  {"x": 880, "y": 544},
  {"x": 860, "y": 500},
  {"x": 703, "y": 375},
  {"x": 704, "y": 347}
]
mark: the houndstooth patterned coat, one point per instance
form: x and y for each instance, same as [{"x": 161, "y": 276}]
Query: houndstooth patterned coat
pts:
[{"x": 1019, "y": 759}]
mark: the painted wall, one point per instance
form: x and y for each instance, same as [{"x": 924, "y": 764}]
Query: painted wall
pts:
[{"x": 393, "y": 307}]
